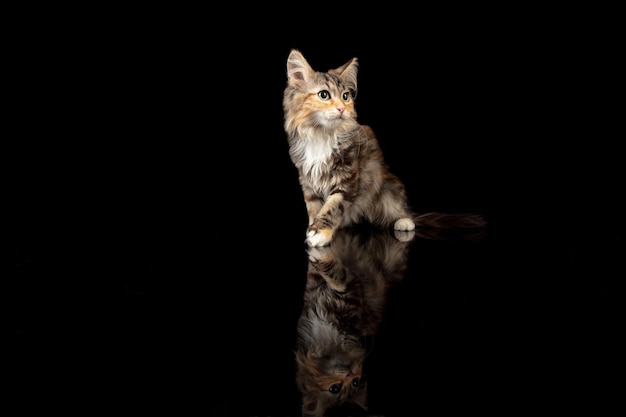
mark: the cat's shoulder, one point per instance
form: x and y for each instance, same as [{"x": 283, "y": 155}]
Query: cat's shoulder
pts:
[{"x": 368, "y": 131}]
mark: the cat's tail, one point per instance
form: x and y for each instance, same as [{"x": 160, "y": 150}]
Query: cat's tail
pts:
[{"x": 447, "y": 226}]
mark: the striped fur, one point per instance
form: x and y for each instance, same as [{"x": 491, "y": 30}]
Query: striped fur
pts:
[
  {"x": 340, "y": 164},
  {"x": 343, "y": 174}
]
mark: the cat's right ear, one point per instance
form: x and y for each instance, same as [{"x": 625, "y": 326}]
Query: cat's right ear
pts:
[{"x": 298, "y": 69}]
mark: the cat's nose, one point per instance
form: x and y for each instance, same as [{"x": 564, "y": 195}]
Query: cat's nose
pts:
[{"x": 341, "y": 109}]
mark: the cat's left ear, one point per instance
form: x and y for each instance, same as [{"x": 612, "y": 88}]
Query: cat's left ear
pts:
[{"x": 348, "y": 73}]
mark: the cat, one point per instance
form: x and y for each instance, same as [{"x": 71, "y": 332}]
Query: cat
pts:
[
  {"x": 344, "y": 177},
  {"x": 344, "y": 302}
]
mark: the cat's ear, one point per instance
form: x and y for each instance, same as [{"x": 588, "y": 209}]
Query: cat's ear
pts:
[
  {"x": 360, "y": 397},
  {"x": 348, "y": 73},
  {"x": 298, "y": 69},
  {"x": 312, "y": 407}
]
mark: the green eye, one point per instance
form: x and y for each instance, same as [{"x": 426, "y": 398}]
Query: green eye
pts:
[
  {"x": 346, "y": 96},
  {"x": 324, "y": 95}
]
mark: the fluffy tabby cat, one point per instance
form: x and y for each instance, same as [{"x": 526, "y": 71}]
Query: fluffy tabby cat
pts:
[
  {"x": 344, "y": 301},
  {"x": 341, "y": 168}
]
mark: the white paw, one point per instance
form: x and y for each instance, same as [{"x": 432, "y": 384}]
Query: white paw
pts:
[
  {"x": 317, "y": 253},
  {"x": 404, "y": 224},
  {"x": 317, "y": 239}
]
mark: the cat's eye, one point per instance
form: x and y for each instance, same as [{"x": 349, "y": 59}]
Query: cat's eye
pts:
[
  {"x": 346, "y": 96},
  {"x": 324, "y": 95},
  {"x": 355, "y": 382},
  {"x": 335, "y": 388}
]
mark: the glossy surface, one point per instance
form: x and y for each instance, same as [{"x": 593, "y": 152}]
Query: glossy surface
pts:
[{"x": 178, "y": 312}]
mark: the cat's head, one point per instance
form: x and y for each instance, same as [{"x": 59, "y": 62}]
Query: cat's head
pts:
[
  {"x": 331, "y": 380},
  {"x": 315, "y": 99}
]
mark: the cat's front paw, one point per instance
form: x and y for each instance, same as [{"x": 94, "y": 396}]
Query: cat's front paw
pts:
[
  {"x": 319, "y": 237},
  {"x": 319, "y": 254}
]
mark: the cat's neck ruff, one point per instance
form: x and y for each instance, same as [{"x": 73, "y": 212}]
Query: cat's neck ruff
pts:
[{"x": 314, "y": 149}]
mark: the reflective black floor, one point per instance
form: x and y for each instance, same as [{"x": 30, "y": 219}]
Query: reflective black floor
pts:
[
  {"x": 156, "y": 255},
  {"x": 164, "y": 315}
]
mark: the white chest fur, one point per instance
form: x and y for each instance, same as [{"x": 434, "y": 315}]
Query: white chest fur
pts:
[{"x": 315, "y": 154}]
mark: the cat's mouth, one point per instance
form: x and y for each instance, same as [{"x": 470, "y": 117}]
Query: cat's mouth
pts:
[{"x": 332, "y": 122}]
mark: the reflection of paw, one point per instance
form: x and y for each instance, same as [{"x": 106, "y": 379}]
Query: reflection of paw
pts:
[
  {"x": 318, "y": 237},
  {"x": 404, "y": 224},
  {"x": 404, "y": 235},
  {"x": 317, "y": 254}
]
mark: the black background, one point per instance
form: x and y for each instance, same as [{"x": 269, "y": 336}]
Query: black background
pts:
[{"x": 156, "y": 250}]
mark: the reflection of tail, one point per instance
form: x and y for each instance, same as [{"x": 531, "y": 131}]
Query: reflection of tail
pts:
[
  {"x": 439, "y": 226},
  {"x": 450, "y": 220}
]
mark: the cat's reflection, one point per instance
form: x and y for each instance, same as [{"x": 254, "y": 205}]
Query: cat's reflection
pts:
[{"x": 344, "y": 301}]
